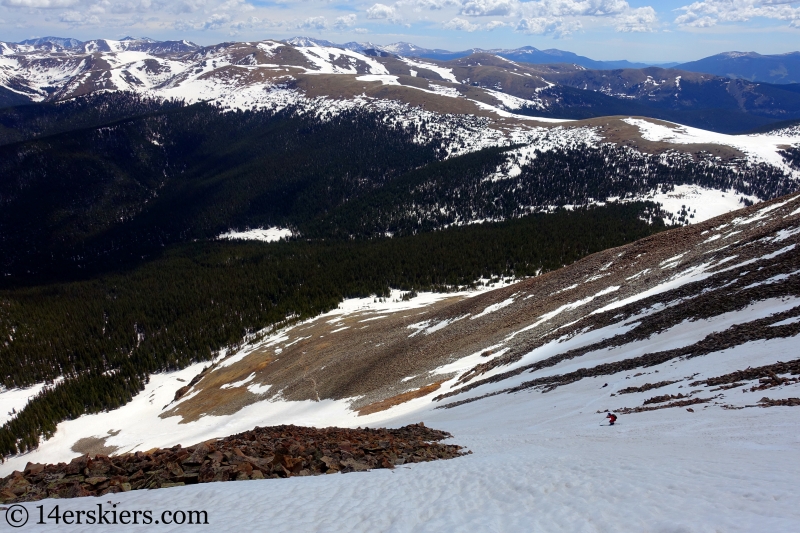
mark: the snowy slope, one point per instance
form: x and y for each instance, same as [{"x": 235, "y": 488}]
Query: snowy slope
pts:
[
  {"x": 526, "y": 372},
  {"x": 759, "y": 148},
  {"x": 531, "y": 471}
]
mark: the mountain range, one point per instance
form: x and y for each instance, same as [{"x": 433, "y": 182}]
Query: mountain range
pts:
[
  {"x": 525, "y": 54},
  {"x": 230, "y": 72},
  {"x": 775, "y": 68},
  {"x": 751, "y": 66},
  {"x": 779, "y": 68}
]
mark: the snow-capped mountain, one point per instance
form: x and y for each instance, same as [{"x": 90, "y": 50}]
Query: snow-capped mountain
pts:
[
  {"x": 527, "y": 54},
  {"x": 689, "y": 336},
  {"x": 62, "y": 42},
  {"x": 254, "y": 73},
  {"x": 470, "y": 103}
]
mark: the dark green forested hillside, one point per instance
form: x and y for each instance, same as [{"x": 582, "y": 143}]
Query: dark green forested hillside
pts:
[
  {"x": 30, "y": 121},
  {"x": 106, "y": 195},
  {"x": 106, "y": 334},
  {"x": 103, "y": 196},
  {"x": 792, "y": 156}
]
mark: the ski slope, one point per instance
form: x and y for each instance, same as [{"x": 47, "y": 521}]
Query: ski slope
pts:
[
  {"x": 539, "y": 463},
  {"x": 543, "y": 457}
]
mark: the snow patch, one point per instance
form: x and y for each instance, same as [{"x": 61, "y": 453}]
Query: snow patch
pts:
[{"x": 260, "y": 234}]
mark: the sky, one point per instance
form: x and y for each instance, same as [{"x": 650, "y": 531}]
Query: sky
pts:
[{"x": 672, "y": 30}]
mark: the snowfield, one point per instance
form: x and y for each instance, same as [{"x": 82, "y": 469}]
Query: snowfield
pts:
[
  {"x": 702, "y": 202},
  {"x": 759, "y": 148}
]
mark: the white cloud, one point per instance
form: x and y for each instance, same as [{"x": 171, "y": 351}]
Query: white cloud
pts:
[
  {"x": 547, "y": 13},
  {"x": 461, "y": 24},
  {"x": 41, "y": 4},
  {"x": 381, "y": 12},
  {"x": 347, "y": 21},
  {"x": 574, "y": 8},
  {"x": 187, "y": 6},
  {"x": 313, "y": 23},
  {"x": 215, "y": 22},
  {"x": 490, "y": 8},
  {"x": 545, "y": 26},
  {"x": 561, "y": 17},
  {"x": 74, "y": 18},
  {"x": 433, "y": 5},
  {"x": 556, "y": 18},
  {"x": 123, "y": 7},
  {"x": 711, "y": 12},
  {"x": 235, "y": 5},
  {"x": 637, "y": 20},
  {"x": 254, "y": 23}
]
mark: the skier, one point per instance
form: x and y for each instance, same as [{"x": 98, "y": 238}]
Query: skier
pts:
[{"x": 612, "y": 418}]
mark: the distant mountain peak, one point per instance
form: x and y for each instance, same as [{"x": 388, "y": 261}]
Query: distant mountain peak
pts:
[
  {"x": 776, "y": 68},
  {"x": 63, "y": 42},
  {"x": 739, "y": 54},
  {"x": 305, "y": 42},
  {"x": 141, "y": 39}
]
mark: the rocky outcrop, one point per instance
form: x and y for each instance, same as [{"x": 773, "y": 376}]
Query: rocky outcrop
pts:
[
  {"x": 645, "y": 387},
  {"x": 269, "y": 452}
]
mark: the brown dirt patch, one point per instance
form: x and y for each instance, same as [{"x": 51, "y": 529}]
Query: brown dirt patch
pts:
[
  {"x": 94, "y": 446},
  {"x": 213, "y": 399},
  {"x": 400, "y": 398}
]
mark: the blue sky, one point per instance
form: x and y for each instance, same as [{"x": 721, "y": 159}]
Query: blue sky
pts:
[{"x": 674, "y": 30}]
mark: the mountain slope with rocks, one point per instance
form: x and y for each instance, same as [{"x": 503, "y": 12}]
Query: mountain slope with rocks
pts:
[
  {"x": 689, "y": 336},
  {"x": 669, "y": 300}
]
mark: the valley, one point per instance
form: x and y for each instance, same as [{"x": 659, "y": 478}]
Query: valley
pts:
[{"x": 207, "y": 252}]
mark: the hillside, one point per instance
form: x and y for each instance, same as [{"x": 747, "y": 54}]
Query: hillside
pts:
[
  {"x": 777, "y": 68},
  {"x": 689, "y": 335},
  {"x": 120, "y": 176}
]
